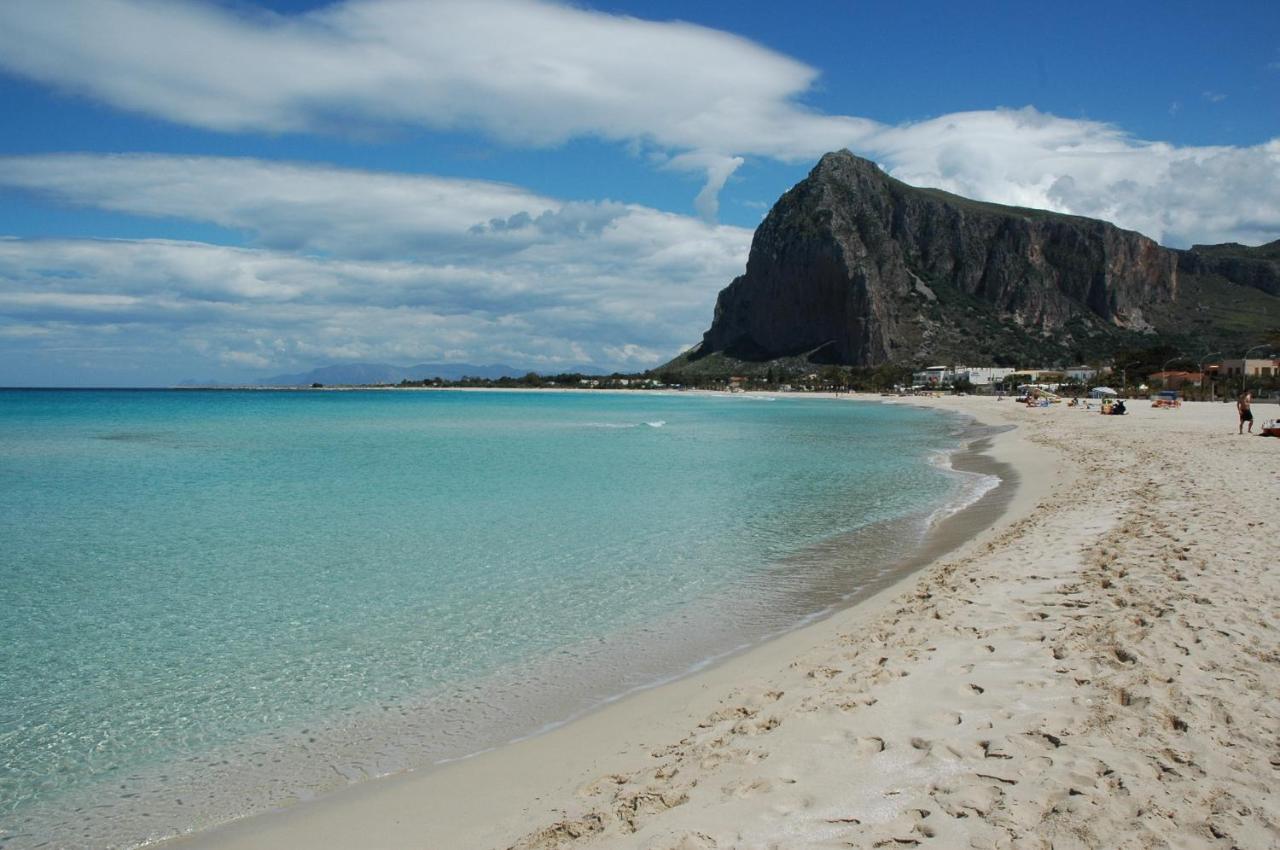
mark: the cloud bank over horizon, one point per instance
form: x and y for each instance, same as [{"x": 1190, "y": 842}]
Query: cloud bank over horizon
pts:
[
  {"x": 348, "y": 265},
  {"x": 423, "y": 267}
]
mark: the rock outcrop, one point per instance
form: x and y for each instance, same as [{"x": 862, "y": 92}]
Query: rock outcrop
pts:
[
  {"x": 1256, "y": 267},
  {"x": 854, "y": 267}
]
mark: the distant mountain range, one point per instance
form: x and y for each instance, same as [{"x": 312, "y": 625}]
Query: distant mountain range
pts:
[
  {"x": 385, "y": 373},
  {"x": 853, "y": 267}
]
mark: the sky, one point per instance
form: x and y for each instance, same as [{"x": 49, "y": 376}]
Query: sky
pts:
[{"x": 206, "y": 190}]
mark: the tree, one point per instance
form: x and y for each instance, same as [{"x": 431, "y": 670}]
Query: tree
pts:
[
  {"x": 1141, "y": 362},
  {"x": 1017, "y": 379},
  {"x": 832, "y": 376},
  {"x": 888, "y": 376}
]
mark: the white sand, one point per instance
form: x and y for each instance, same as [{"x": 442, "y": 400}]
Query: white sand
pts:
[{"x": 1100, "y": 669}]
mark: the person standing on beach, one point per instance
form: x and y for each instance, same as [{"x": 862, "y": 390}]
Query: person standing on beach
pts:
[{"x": 1243, "y": 408}]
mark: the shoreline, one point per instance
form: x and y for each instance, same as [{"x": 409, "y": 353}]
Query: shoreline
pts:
[{"x": 360, "y": 813}]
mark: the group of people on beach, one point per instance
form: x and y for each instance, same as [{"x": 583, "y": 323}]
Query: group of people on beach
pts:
[
  {"x": 1113, "y": 408},
  {"x": 1244, "y": 407}
]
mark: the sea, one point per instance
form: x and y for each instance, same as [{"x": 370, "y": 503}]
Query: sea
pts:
[{"x": 214, "y": 603}]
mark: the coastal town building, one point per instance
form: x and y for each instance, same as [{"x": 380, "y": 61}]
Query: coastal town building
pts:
[
  {"x": 979, "y": 375},
  {"x": 1084, "y": 374},
  {"x": 939, "y": 376},
  {"x": 1253, "y": 367},
  {"x": 1174, "y": 379}
]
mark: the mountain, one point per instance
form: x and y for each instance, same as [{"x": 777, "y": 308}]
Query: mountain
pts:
[
  {"x": 854, "y": 267},
  {"x": 385, "y": 373}
]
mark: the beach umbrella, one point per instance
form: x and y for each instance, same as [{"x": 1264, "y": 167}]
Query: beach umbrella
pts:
[{"x": 1102, "y": 392}]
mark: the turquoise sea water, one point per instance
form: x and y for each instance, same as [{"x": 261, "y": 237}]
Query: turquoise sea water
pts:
[{"x": 213, "y": 603}]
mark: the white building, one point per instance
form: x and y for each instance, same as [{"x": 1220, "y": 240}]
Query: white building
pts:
[
  {"x": 1084, "y": 374},
  {"x": 939, "y": 376},
  {"x": 982, "y": 375},
  {"x": 934, "y": 376}
]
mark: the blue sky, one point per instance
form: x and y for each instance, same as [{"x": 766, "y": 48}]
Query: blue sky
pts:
[{"x": 228, "y": 190}]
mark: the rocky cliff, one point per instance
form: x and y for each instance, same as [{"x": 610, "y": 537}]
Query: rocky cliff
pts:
[
  {"x": 854, "y": 267},
  {"x": 1256, "y": 267}
]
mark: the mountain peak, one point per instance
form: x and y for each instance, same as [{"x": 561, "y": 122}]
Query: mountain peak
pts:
[
  {"x": 854, "y": 267},
  {"x": 845, "y": 159}
]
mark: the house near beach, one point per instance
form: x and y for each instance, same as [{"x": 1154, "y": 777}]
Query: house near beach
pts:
[
  {"x": 1174, "y": 379},
  {"x": 1252, "y": 367}
]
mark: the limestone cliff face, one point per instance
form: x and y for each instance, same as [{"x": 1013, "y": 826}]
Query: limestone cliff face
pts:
[
  {"x": 1258, "y": 267},
  {"x": 855, "y": 267}
]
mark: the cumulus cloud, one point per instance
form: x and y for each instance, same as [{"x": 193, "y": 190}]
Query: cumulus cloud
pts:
[
  {"x": 623, "y": 295},
  {"x": 1176, "y": 195},
  {"x": 578, "y": 219},
  {"x": 495, "y": 272}
]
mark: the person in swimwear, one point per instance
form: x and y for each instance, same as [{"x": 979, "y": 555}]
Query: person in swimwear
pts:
[{"x": 1243, "y": 407}]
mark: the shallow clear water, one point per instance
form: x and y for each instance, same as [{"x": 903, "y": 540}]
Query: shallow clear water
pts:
[{"x": 216, "y": 602}]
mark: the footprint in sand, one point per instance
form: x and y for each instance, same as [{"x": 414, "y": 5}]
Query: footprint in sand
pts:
[
  {"x": 945, "y": 718},
  {"x": 922, "y": 744},
  {"x": 683, "y": 841},
  {"x": 869, "y": 746},
  {"x": 742, "y": 788}
]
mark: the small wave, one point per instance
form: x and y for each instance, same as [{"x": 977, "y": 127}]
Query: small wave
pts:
[
  {"x": 974, "y": 486},
  {"x": 136, "y": 437},
  {"x": 657, "y": 423},
  {"x": 980, "y": 486}
]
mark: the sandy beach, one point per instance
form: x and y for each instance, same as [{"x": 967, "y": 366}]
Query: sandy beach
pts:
[{"x": 1098, "y": 667}]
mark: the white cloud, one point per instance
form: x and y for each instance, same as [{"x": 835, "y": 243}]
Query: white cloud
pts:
[
  {"x": 1176, "y": 195},
  {"x": 527, "y": 72},
  {"x": 533, "y": 72},
  {"x": 286, "y": 206},
  {"x": 627, "y": 295},
  {"x": 524, "y": 72},
  {"x": 418, "y": 268},
  {"x": 718, "y": 169}
]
